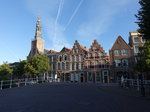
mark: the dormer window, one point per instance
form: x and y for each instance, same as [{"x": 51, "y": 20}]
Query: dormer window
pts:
[
  {"x": 136, "y": 39},
  {"x": 143, "y": 40}
]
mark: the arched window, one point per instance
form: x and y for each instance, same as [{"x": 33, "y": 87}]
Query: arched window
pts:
[
  {"x": 65, "y": 58},
  {"x": 67, "y": 66},
  {"x": 58, "y": 66},
  {"x": 63, "y": 66},
  {"x": 72, "y": 58},
  {"x": 60, "y": 58}
]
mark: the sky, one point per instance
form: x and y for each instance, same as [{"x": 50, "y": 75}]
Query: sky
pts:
[{"x": 63, "y": 22}]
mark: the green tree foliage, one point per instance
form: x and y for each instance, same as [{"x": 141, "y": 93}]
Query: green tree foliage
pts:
[
  {"x": 5, "y": 70},
  {"x": 143, "y": 21},
  {"x": 19, "y": 70},
  {"x": 145, "y": 54},
  {"x": 37, "y": 65}
]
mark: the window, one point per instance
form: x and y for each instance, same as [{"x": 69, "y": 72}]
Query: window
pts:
[
  {"x": 89, "y": 64},
  {"x": 63, "y": 66},
  {"x": 60, "y": 58},
  {"x": 117, "y": 53},
  {"x": 77, "y": 66},
  {"x": 79, "y": 50},
  {"x": 67, "y": 66},
  {"x": 124, "y": 52},
  {"x": 96, "y": 64},
  {"x": 95, "y": 49},
  {"x": 117, "y": 63},
  {"x": 103, "y": 63},
  {"x": 72, "y": 66},
  {"x": 58, "y": 66},
  {"x": 136, "y": 50},
  {"x": 96, "y": 55},
  {"x": 91, "y": 55},
  {"x": 72, "y": 58},
  {"x": 77, "y": 58},
  {"x": 125, "y": 62},
  {"x": 136, "y": 39},
  {"x": 65, "y": 58},
  {"x": 82, "y": 65},
  {"x": 143, "y": 40},
  {"x": 75, "y": 46}
]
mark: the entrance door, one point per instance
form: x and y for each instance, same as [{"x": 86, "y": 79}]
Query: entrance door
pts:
[
  {"x": 81, "y": 78},
  {"x": 105, "y": 76},
  {"x": 90, "y": 77},
  {"x": 76, "y": 77}
]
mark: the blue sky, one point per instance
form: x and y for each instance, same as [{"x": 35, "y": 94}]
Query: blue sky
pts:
[{"x": 63, "y": 22}]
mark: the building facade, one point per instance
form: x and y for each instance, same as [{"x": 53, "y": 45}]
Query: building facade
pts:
[
  {"x": 135, "y": 41},
  {"x": 94, "y": 65},
  {"x": 121, "y": 59},
  {"x": 80, "y": 65},
  {"x": 37, "y": 44}
]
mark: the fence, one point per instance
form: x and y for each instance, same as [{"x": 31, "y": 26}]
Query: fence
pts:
[
  {"x": 24, "y": 82},
  {"x": 136, "y": 83}
]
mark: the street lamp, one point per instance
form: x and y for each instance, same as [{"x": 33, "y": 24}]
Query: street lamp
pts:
[{"x": 141, "y": 74}]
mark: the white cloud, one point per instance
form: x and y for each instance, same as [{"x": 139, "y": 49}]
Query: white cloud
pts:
[
  {"x": 100, "y": 17},
  {"x": 74, "y": 13}
]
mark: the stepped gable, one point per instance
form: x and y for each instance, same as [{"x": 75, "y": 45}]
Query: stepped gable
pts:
[
  {"x": 97, "y": 47},
  {"x": 78, "y": 46}
]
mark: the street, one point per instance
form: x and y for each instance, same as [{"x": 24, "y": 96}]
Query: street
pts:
[{"x": 69, "y": 97}]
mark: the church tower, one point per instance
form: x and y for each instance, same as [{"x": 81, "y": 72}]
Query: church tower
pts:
[{"x": 37, "y": 44}]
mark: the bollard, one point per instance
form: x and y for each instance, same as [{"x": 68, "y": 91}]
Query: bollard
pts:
[
  {"x": 25, "y": 82},
  {"x": 18, "y": 83},
  {"x": 10, "y": 84},
  {"x": 1, "y": 84}
]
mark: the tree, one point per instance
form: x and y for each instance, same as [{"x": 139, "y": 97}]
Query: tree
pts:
[
  {"x": 19, "y": 69},
  {"x": 145, "y": 54},
  {"x": 37, "y": 65},
  {"x": 5, "y": 70},
  {"x": 143, "y": 21}
]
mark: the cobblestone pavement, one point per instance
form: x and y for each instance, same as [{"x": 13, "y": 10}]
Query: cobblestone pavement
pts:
[{"x": 70, "y": 97}]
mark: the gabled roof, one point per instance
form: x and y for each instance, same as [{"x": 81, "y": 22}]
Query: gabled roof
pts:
[
  {"x": 120, "y": 44},
  {"x": 65, "y": 49},
  {"x": 51, "y": 51}
]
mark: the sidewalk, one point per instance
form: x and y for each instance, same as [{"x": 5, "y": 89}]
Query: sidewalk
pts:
[{"x": 116, "y": 89}]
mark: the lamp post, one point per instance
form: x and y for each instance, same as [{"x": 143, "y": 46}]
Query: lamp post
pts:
[{"x": 141, "y": 74}]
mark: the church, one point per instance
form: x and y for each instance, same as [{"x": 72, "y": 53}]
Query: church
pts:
[{"x": 79, "y": 64}]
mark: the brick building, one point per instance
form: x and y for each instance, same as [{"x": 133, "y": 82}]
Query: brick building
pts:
[
  {"x": 94, "y": 65},
  {"x": 121, "y": 59},
  {"x": 80, "y": 65}
]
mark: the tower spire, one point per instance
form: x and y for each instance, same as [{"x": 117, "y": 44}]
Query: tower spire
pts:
[{"x": 38, "y": 34}]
